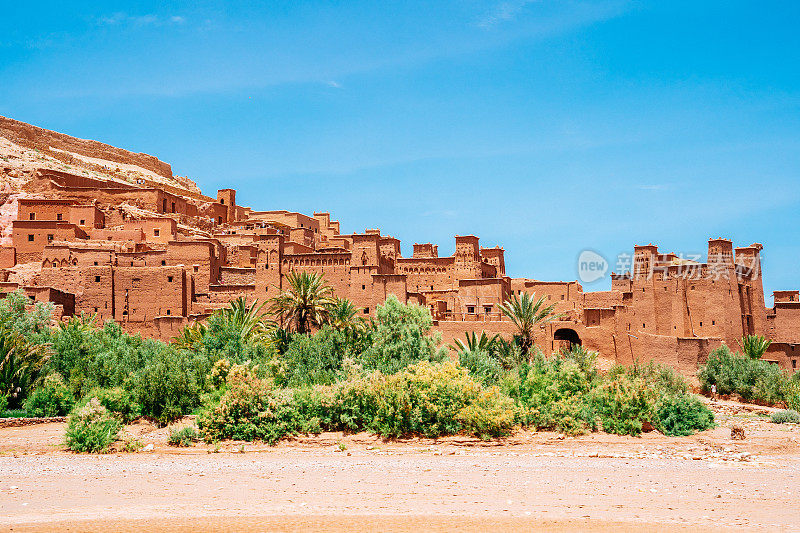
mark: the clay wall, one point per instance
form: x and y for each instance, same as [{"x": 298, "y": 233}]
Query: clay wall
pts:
[
  {"x": 143, "y": 293},
  {"x": 86, "y": 216}
]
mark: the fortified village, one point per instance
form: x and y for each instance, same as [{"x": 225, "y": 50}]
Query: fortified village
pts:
[{"x": 99, "y": 230}]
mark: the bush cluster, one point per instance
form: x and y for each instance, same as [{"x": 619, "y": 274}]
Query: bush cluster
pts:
[
  {"x": 53, "y": 398},
  {"x": 566, "y": 393},
  {"x": 250, "y": 381},
  {"x": 430, "y": 399},
  {"x": 183, "y": 437},
  {"x": 787, "y": 416},
  {"x": 91, "y": 428},
  {"x": 751, "y": 379}
]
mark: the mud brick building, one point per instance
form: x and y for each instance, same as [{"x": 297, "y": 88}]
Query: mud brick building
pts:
[{"x": 156, "y": 257}]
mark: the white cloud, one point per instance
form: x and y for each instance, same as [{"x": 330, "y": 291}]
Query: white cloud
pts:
[
  {"x": 124, "y": 19},
  {"x": 504, "y": 12},
  {"x": 334, "y": 84}
]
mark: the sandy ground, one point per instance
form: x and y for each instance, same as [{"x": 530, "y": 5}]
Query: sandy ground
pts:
[{"x": 538, "y": 481}]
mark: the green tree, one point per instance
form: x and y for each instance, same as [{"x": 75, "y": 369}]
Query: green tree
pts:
[
  {"x": 402, "y": 336},
  {"x": 21, "y": 364},
  {"x": 306, "y": 303},
  {"x": 754, "y": 346},
  {"x": 526, "y": 312}
]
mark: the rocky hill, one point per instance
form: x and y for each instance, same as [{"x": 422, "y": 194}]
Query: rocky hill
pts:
[{"x": 26, "y": 150}]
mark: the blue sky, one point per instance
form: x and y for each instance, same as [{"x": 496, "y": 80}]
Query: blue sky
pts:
[{"x": 545, "y": 127}]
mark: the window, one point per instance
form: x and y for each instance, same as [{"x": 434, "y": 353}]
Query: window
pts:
[
  {"x": 58, "y": 216},
  {"x": 196, "y": 268},
  {"x": 173, "y": 207},
  {"x": 169, "y": 312},
  {"x": 794, "y": 363},
  {"x": 49, "y": 237},
  {"x": 33, "y": 216},
  {"x": 163, "y": 262},
  {"x": 366, "y": 310},
  {"x": 95, "y": 309},
  {"x": 156, "y": 232},
  {"x": 363, "y": 287},
  {"x": 471, "y": 309},
  {"x": 713, "y": 322},
  {"x": 487, "y": 309},
  {"x": 30, "y": 238},
  {"x": 95, "y": 263},
  {"x": 164, "y": 205},
  {"x": 701, "y": 323},
  {"x": 644, "y": 326},
  {"x": 97, "y": 279},
  {"x": 222, "y": 201},
  {"x": 169, "y": 279},
  {"x": 83, "y": 222},
  {"x": 219, "y": 220}
]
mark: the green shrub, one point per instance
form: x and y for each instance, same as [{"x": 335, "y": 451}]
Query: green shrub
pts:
[
  {"x": 402, "y": 336},
  {"x": 53, "y": 398},
  {"x": 682, "y": 415},
  {"x": 91, "y": 428},
  {"x": 551, "y": 394},
  {"x": 117, "y": 401},
  {"x": 250, "y": 408},
  {"x": 480, "y": 365},
  {"x": 169, "y": 383},
  {"x": 183, "y": 437},
  {"x": 787, "y": 416},
  {"x": 429, "y": 399},
  {"x": 621, "y": 404},
  {"x": 752, "y": 379},
  {"x": 314, "y": 359},
  {"x": 491, "y": 414},
  {"x": 3, "y": 403}
]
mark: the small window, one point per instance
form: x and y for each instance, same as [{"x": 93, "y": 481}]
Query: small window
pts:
[
  {"x": 363, "y": 287},
  {"x": 33, "y": 216},
  {"x": 59, "y": 216},
  {"x": 219, "y": 220},
  {"x": 644, "y": 326},
  {"x": 95, "y": 263},
  {"x": 95, "y": 309},
  {"x": 196, "y": 268},
  {"x": 366, "y": 310},
  {"x": 83, "y": 222},
  {"x": 794, "y": 363},
  {"x": 169, "y": 279},
  {"x": 173, "y": 207},
  {"x": 169, "y": 312},
  {"x": 222, "y": 201},
  {"x": 50, "y": 237},
  {"x": 471, "y": 309},
  {"x": 97, "y": 279},
  {"x": 30, "y": 238},
  {"x": 156, "y": 232},
  {"x": 713, "y": 322},
  {"x": 487, "y": 309}
]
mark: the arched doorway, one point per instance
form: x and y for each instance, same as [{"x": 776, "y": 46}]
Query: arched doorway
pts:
[{"x": 565, "y": 338}]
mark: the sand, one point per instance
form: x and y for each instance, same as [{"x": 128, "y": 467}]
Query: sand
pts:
[{"x": 530, "y": 481}]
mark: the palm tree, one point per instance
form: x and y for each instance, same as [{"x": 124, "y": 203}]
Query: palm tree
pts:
[
  {"x": 343, "y": 315},
  {"x": 306, "y": 302},
  {"x": 526, "y": 312},
  {"x": 484, "y": 343},
  {"x": 754, "y": 346},
  {"x": 248, "y": 320},
  {"x": 190, "y": 336},
  {"x": 21, "y": 362}
]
